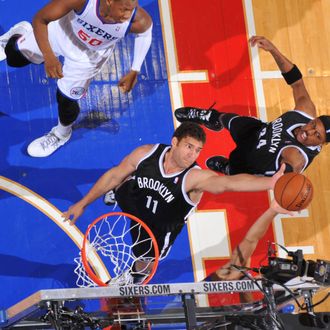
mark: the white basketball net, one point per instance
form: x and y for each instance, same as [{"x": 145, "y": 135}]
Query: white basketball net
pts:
[{"x": 110, "y": 240}]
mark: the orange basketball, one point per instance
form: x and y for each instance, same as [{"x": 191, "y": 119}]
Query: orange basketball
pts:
[{"x": 293, "y": 191}]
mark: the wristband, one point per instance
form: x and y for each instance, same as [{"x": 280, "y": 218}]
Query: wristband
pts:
[{"x": 292, "y": 76}]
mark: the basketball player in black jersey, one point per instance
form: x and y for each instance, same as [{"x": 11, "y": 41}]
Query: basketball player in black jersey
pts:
[
  {"x": 162, "y": 184},
  {"x": 241, "y": 255},
  {"x": 294, "y": 138}
]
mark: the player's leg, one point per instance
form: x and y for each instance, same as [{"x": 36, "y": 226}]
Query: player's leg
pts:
[
  {"x": 243, "y": 129},
  {"x": 207, "y": 117},
  {"x": 144, "y": 252},
  {"x": 70, "y": 89},
  {"x": 78, "y": 71},
  {"x": 8, "y": 44},
  {"x": 68, "y": 111},
  {"x": 165, "y": 239}
]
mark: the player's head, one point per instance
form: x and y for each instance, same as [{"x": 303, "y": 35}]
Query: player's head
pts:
[
  {"x": 190, "y": 129},
  {"x": 326, "y": 123},
  {"x": 187, "y": 143},
  {"x": 120, "y": 11},
  {"x": 315, "y": 132}
]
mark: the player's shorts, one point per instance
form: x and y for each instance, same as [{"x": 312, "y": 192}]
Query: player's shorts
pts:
[
  {"x": 165, "y": 239},
  {"x": 80, "y": 63},
  {"x": 245, "y": 131},
  {"x": 242, "y": 128}
]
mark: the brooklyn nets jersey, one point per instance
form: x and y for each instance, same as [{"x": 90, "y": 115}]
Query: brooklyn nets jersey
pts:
[
  {"x": 157, "y": 198},
  {"x": 276, "y": 136}
]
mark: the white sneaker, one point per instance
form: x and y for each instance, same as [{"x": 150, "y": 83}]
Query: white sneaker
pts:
[
  {"x": 109, "y": 198},
  {"x": 21, "y": 28},
  {"x": 47, "y": 144},
  {"x": 123, "y": 279}
]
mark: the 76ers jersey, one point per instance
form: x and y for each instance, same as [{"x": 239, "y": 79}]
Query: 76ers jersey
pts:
[
  {"x": 274, "y": 137},
  {"x": 157, "y": 198},
  {"x": 90, "y": 29}
]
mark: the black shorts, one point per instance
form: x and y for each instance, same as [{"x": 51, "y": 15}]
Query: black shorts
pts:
[
  {"x": 165, "y": 238},
  {"x": 244, "y": 131},
  {"x": 242, "y": 127}
]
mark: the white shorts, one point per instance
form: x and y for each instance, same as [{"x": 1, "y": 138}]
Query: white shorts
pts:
[{"x": 80, "y": 63}]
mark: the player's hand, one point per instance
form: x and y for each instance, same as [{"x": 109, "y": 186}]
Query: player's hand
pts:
[
  {"x": 127, "y": 82},
  {"x": 53, "y": 67},
  {"x": 73, "y": 213},
  {"x": 278, "y": 209},
  {"x": 277, "y": 175},
  {"x": 261, "y": 42}
]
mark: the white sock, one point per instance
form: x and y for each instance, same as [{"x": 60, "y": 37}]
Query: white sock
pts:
[{"x": 63, "y": 130}]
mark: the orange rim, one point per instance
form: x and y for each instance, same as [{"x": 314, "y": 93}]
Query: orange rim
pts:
[{"x": 84, "y": 258}]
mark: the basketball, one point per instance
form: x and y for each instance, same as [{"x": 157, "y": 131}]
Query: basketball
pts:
[{"x": 293, "y": 191}]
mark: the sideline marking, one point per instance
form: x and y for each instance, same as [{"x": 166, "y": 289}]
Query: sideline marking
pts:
[{"x": 54, "y": 214}]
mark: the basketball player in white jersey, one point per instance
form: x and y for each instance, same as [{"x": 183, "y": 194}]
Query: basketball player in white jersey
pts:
[{"x": 84, "y": 32}]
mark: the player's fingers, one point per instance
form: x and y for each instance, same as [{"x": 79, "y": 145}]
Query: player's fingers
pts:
[
  {"x": 255, "y": 39},
  {"x": 66, "y": 216},
  {"x": 59, "y": 72},
  {"x": 122, "y": 87},
  {"x": 72, "y": 220},
  {"x": 51, "y": 73}
]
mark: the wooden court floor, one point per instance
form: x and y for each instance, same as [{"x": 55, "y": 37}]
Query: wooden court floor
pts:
[{"x": 301, "y": 30}]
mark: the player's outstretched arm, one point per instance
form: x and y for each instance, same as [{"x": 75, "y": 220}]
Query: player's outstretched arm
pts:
[
  {"x": 109, "y": 180},
  {"x": 52, "y": 11},
  {"x": 142, "y": 27},
  {"x": 241, "y": 255},
  {"x": 204, "y": 180},
  {"x": 291, "y": 74}
]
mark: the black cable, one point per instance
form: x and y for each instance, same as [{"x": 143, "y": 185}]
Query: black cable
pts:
[
  {"x": 278, "y": 322},
  {"x": 288, "y": 290},
  {"x": 283, "y": 248},
  {"x": 319, "y": 302}
]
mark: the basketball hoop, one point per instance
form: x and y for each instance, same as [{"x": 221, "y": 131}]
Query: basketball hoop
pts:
[{"x": 125, "y": 245}]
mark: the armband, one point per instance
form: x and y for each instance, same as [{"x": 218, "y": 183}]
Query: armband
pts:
[
  {"x": 292, "y": 76},
  {"x": 141, "y": 46}
]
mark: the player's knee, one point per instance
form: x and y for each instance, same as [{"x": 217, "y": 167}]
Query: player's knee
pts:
[
  {"x": 68, "y": 109},
  {"x": 14, "y": 57},
  {"x": 226, "y": 118}
]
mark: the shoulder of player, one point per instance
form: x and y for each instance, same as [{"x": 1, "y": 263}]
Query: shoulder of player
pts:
[
  {"x": 197, "y": 175},
  {"x": 142, "y": 21},
  {"x": 141, "y": 151},
  {"x": 57, "y": 9},
  {"x": 77, "y": 5},
  {"x": 300, "y": 112},
  {"x": 294, "y": 157},
  {"x": 132, "y": 159}
]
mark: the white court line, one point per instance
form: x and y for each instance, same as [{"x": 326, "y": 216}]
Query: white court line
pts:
[
  {"x": 258, "y": 77},
  {"x": 54, "y": 214},
  {"x": 175, "y": 77}
]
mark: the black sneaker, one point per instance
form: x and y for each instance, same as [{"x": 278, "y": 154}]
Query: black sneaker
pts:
[
  {"x": 208, "y": 118},
  {"x": 109, "y": 198},
  {"x": 218, "y": 164}
]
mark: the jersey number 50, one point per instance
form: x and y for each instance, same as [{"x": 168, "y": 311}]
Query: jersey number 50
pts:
[{"x": 85, "y": 37}]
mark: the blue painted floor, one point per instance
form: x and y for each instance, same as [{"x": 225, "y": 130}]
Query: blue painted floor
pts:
[{"x": 34, "y": 252}]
